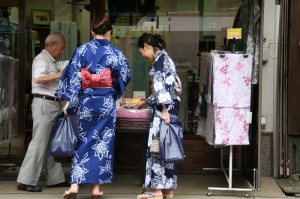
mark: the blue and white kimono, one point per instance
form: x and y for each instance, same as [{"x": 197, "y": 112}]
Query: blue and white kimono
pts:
[
  {"x": 93, "y": 161},
  {"x": 159, "y": 174}
]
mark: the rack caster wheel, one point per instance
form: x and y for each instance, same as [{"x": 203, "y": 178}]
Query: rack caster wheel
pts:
[
  {"x": 209, "y": 193},
  {"x": 203, "y": 173},
  {"x": 247, "y": 195},
  {"x": 13, "y": 168}
]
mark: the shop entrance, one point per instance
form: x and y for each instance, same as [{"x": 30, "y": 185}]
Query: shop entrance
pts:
[
  {"x": 289, "y": 96},
  {"x": 293, "y": 88},
  {"x": 192, "y": 28}
]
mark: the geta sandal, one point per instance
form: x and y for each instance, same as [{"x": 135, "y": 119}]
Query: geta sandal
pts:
[{"x": 146, "y": 195}]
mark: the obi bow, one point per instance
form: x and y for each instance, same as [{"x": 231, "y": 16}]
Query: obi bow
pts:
[{"x": 102, "y": 80}]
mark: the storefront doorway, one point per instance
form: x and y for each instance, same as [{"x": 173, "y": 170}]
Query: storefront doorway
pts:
[{"x": 192, "y": 29}]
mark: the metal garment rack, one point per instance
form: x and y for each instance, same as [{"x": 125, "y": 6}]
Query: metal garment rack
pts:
[{"x": 228, "y": 177}]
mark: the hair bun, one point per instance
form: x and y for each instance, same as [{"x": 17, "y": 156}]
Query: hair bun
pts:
[
  {"x": 157, "y": 37},
  {"x": 157, "y": 40}
]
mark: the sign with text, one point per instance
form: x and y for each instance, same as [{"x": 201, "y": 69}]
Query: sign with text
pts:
[{"x": 234, "y": 33}]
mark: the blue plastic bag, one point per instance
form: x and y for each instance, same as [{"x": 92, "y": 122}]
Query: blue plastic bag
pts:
[
  {"x": 171, "y": 142},
  {"x": 64, "y": 135}
]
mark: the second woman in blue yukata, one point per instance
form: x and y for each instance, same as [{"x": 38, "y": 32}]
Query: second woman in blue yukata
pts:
[{"x": 161, "y": 177}]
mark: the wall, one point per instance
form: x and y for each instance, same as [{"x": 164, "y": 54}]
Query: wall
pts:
[
  {"x": 61, "y": 11},
  {"x": 82, "y": 17},
  {"x": 269, "y": 71},
  {"x": 269, "y": 80},
  {"x": 191, "y": 5},
  {"x": 32, "y": 4}
]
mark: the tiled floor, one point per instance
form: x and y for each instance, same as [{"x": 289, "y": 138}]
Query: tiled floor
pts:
[{"x": 128, "y": 184}]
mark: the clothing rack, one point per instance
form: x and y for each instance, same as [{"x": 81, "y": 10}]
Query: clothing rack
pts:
[
  {"x": 229, "y": 176},
  {"x": 235, "y": 106}
]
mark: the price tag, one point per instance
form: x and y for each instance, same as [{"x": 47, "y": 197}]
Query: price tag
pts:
[{"x": 234, "y": 33}]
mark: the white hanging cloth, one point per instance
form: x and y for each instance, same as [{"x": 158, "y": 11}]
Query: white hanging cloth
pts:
[{"x": 229, "y": 99}]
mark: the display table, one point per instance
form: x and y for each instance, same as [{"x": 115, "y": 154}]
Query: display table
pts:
[{"x": 137, "y": 122}]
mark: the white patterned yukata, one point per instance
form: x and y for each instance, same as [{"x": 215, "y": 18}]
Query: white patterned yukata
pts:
[
  {"x": 159, "y": 174},
  {"x": 93, "y": 161},
  {"x": 230, "y": 88}
]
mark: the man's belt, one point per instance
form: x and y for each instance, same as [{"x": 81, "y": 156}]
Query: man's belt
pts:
[{"x": 47, "y": 97}]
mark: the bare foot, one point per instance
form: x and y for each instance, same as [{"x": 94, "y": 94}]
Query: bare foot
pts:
[
  {"x": 72, "y": 190},
  {"x": 168, "y": 193},
  {"x": 96, "y": 190}
]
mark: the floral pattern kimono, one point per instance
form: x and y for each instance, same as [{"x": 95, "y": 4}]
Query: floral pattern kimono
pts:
[
  {"x": 93, "y": 161},
  {"x": 229, "y": 105},
  {"x": 159, "y": 174}
]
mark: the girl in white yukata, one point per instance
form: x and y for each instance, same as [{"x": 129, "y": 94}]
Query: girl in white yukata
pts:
[{"x": 161, "y": 177}]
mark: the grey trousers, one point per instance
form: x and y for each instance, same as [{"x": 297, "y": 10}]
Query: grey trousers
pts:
[{"x": 43, "y": 113}]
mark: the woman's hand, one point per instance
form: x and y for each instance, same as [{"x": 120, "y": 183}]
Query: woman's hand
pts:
[
  {"x": 165, "y": 114},
  {"x": 65, "y": 108},
  {"x": 141, "y": 105}
]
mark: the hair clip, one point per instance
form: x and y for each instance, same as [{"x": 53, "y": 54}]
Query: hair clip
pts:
[{"x": 245, "y": 56}]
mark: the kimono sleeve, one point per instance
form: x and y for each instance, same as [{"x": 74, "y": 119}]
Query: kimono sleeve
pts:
[
  {"x": 150, "y": 100},
  {"x": 69, "y": 87},
  {"x": 122, "y": 74},
  {"x": 162, "y": 82}
]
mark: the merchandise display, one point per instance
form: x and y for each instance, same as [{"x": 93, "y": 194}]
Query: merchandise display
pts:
[{"x": 229, "y": 96}]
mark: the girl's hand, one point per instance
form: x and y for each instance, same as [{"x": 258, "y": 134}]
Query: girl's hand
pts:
[
  {"x": 141, "y": 105},
  {"x": 165, "y": 115},
  {"x": 65, "y": 108}
]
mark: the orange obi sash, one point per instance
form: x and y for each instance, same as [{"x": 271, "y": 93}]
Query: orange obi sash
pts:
[{"x": 102, "y": 80}]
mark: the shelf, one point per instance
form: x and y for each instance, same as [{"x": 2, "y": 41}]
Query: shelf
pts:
[{"x": 38, "y": 27}]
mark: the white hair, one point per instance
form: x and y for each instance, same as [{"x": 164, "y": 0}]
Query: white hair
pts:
[{"x": 55, "y": 37}]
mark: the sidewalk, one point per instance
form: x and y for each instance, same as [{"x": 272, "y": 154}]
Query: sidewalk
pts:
[{"x": 128, "y": 185}]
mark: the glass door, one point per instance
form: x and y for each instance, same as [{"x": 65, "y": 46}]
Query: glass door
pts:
[{"x": 11, "y": 138}]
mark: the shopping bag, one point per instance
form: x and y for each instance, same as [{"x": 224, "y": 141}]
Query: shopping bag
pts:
[
  {"x": 64, "y": 135},
  {"x": 171, "y": 142}
]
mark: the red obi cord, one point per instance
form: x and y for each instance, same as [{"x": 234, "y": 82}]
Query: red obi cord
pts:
[{"x": 102, "y": 80}]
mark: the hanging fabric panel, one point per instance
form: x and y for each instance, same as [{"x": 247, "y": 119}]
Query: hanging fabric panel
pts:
[
  {"x": 229, "y": 99},
  {"x": 7, "y": 98}
]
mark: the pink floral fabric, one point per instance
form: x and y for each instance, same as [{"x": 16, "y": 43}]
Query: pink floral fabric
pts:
[
  {"x": 232, "y": 80},
  {"x": 227, "y": 126},
  {"x": 230, "y": 102}
]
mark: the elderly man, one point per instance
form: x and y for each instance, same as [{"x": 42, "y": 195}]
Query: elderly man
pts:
[{"x": 45, "y": 108}]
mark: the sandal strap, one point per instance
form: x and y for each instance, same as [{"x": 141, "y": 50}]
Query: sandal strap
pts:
[{"x": 151, "y": 195}]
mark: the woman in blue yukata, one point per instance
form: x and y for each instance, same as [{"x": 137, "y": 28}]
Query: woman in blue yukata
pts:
[
  {"x": 94, "y": 79},
  {"x": 161, "y": 177}
]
